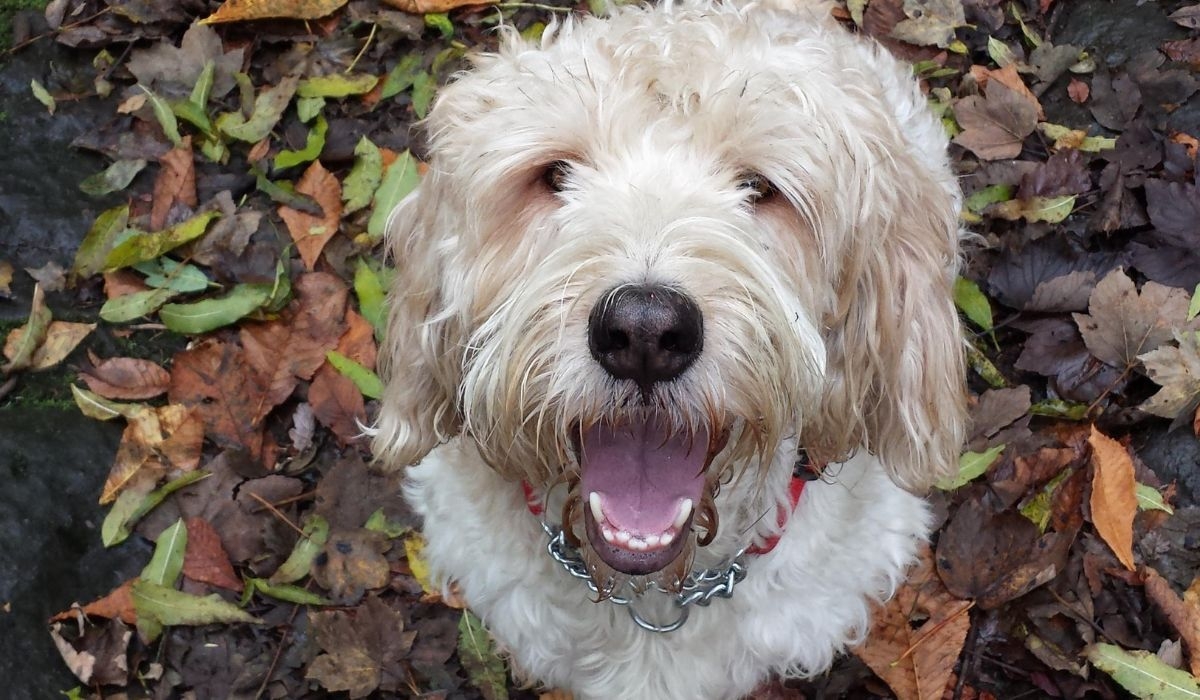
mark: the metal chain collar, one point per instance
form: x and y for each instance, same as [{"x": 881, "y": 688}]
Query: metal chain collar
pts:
[{"x": 699, "y": 588}]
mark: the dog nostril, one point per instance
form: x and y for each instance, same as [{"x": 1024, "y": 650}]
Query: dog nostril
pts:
[
  {"x": 617, "y": 340},
  {"x": 647, "y": 333}
]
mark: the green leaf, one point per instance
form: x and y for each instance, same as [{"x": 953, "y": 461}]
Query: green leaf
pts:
[
  {"x": 178, "y": 277},
  {"x": 309, "y": 107},
  {"x": 147, "y": 246},
  {"x": 984, "y": 368},
  {"x": 268, "y": 108},
  {"x": 1039, "y": 508},
  {"x": 441, "y": 22},
  {"x": 193, "y": 114},
  {"x": 166, "y": 118},
  {"x": 1051, "y": 210},
  {"x": 203, "y": 316},
  {"x": 982, "y": 199},
  {"x": 132, "y": 506},
  {"x": 972, "y": 302},
  {"x": 34, "y": 333},
  {"x": 291, "y": 594},
  {"x": 167, "y": 606},
  {"x": 312, "y": 147},
  {"x": 422, "y": 94},
  {"x": 1148, "y": 498},
  {"x": 284, "y": 193},
  {"x": 477, "y": 651},
  {"x": 97, "y": 407},
  {"x": 371, "y": 296},
  {"x": 402, "y": 76},
  {"x": 971, "y": 465},
  {"x": 378, "y": 522},
  {"x": 1058, "y": 408},
  {"x": 100, "y": 239},
  {"x": 1194, "y": 306},
  {"x": 1000, "y": 52},
  {"x": 114, "y": 178},
  {"x": 167, "y": 562},
  {"x": 204, "y": 84},
  {"x": 400, "y": 179},
  {"x": 299, "y": 562},
  {"x": 367, "y": 381},
  {"x": 42, "y": 95},
  {"x": 128, "y": 307},
  {"x": 360, "y": 185},
  {"x": 856, "y": 8},
  {"x": 337, "y": 85},
  {"x": 1144, "y": 674}
]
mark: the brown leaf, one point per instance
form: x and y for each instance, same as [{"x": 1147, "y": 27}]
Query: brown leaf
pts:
[
  {"x": 176, "y": 183},
  {"x": 917, "y": 660},
  {"x": 995, "y": 125},
  {"x": 154, "y": 440},
  {"x": 125, "y": 378},
  {"x": 1122, "y": 324},
  {"x": 1078, "y": 91},
  {"x": 117, "y": 604},
  {"x": 51, "y": 276},
  {"x": 118, "y": 283},
  {"x": 99, "y": 656},
  {"x": 351, "y": 563},
  {"x": 228, "y": 395},
  {"x": 243, "y": 10},
  {"x": 1114, "y": 501},
  {"x": 364, "y": 649},
  {"x": 6, "y": 275},
  {"x": 311, "y": 233},
  {"x": 205, "y": 559},
  {"x": 61, "y": 339},
  {"x": 336, "y": 401},
  {"x": 422, "y": 7},
  {"x": 1177, "y": 371},
  {"x": 1011, "y": 79},
  {"x": 1183, "y": 616}
]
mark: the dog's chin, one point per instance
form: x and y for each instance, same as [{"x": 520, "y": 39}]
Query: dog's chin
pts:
[{"x": 641, "y": 483}]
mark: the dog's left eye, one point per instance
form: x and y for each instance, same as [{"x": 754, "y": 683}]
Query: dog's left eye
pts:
[
  {"x": 757, "y": 187},
  {"x": 555, "y": 175}
]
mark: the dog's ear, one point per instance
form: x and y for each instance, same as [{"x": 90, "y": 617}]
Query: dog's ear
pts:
[
  {"x": 420, "y": 358},
  {"x": 896, "y": 354}
]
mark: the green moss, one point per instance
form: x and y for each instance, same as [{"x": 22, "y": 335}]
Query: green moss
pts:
[{"x": 7, "y": 9}]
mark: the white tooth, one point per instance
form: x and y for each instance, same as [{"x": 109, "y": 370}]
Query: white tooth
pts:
[
  {"x": 639, "y": 545},
  {"x": 667, "y": 538},
  {"x": 622, "y": 537},
  {"x": 652, "y": 541},
  {"x": 608, "y": 534},
  {"x": 594, "y": 502},
  {"x": 685, "y": 509}
]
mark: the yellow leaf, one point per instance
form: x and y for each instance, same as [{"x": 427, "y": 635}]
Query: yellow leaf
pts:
[
  {"x": 1114, "y": 501},
  {"x": 242, "y": 10},
  {"x": 61, "y": 338},
  {"x": 414, "y": 549},
  {"x": 422, "y": 7}
]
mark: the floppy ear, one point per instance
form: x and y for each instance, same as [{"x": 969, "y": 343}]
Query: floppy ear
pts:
[
  {"x": 896, "y": 370},
  {"x": 420, "y": 360}
]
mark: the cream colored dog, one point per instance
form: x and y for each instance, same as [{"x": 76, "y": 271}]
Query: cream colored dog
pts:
[{"x": 665, "y": 268}]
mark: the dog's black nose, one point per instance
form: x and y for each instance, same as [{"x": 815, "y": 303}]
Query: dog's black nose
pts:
[{"x": 648, "y": 333}]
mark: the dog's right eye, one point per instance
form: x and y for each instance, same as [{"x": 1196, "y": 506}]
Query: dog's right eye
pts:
[{"x": 555, "y": 175}]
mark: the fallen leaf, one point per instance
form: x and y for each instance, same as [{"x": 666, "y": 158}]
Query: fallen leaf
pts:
[
  {"x": 1141, "y": 673},
  {"x": 209, "y": 314},
  {"x": 115, "y": 177},
  {"x": 24, "y": 342},
  {"x": 480, "y": 658},
  {"x": 117, "y": 604},
  {"x": 299, "y": 562},
  {"x": 244, "y": 10},
  {"x": 1078, "y": 91},
  {"x": 1187, "y": 16},
  {"x": 141, "y": 246},
  {"x": 424, "y": 7},
  {"x": 212, "y": 377},
  {"x": 125, "y": 378},
  {"x": 351, "y": 563},
  {"x": 61, "y": 338},
  {"x": 1114, "y": 503},
  {"x": 152, "y": 436},
  {"x": 268, "y": 108},
  {"x": 1123, "y": 324},
  {"x": 100, "y": 239},
  {"x": 99, "y": 656},
  {"x": 930, "y": 22},
  {"x": 311, "y": 233},
  {"x": 175, "y": 184},
  {"x": 995, "y": 125},
  {"x": 1183, "y": 616},
  {"x": 6, "y": 275},
  {"x": 1177, "y": 371},
  {"x": 1174, "y": 209},
  {"x": 167, "y": 607},
  {"x": 363, "y": 649},
  {"x": 206, "y": 560},
  {"x": 166, "y": 564}
]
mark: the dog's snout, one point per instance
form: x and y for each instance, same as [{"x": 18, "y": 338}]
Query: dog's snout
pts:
[{"x": 647, "y": 333}]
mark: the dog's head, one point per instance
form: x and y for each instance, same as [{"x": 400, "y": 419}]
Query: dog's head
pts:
[{"x": 653, "y": 248}]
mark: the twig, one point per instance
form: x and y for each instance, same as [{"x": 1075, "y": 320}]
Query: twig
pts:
[
  {"x": 533, "y": 6},
  {"x": 17, "y": 47},
  {"x": 370, "y": 38},
  {"x": 266, "y": 504},
  {"x": 7, "y": 386},
  {"x": 925, "y": 636}
]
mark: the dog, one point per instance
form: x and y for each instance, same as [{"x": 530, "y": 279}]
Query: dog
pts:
[{"x": 672, "y": 351}]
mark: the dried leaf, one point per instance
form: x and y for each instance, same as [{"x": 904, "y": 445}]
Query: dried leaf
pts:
[
  {"x": 126, "y": 378},
  {"x": 206, "y": 560},
  {"x": 310, "y": 232},
  {"x": 1114, "y": 502},
  {"x": 930, "y": 22},
  {"x": 1122, "y": 324},
  {"x": 176, "y": 183},
  {"x": 424, "y": 7},
  {"x": 1078, "y": 91},
  {"x": 244, "y": 10},
  {"x": 23, "y": 343},
  {"x": 60, "y": 339},
  {"x": 1177, "y": 371},
  {"x": 995, "y": 126},
  {"x": 1183, "y": 616}
]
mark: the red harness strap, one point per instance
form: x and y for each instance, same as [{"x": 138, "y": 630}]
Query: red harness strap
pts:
[{"x": 795, "y": 488}]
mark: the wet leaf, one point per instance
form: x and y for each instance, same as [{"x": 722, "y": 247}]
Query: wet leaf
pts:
[
  {"x": 337, "y": 85},
  {"x": 142, "y": 246},
  {"x": 291, "y": 594},
  {"x": 100, "y": 239},
  {"x": 206, "y": 560},
  {"x": 422, "y": 94},
  {"x": 1123, "y": 324},
  {"x": 312, "y": 147},
  {"x": 399, "y": 180},
  {"x": 971, "y": 301},
  {"x": 166, "y": 564},
  {"x": 1051, "y": 210},
  {"x": 268, "y": 108},
  {"x": 478, "y": 653},
  {"x": 131, "y": 506},
  {"x": 244, "y": 10},
  {"x": 178, "y": 277},
  {"x": 209, "y": 314},
  {"x": 168, "y": 607},
  {"x": 1177, "y": 371},
  {"x": 359, "y": 186},
  {"x": 422, "y": 7},
  {"x": 129, "y": 307},
  {"x": 21, "y": 347},
  {"x": 971, "y": 465},
  {"x": 367, "y": 381},
  {"x": 995, "y": 126},
  {"x": 114, "y": 178},
  {"x": 299, "y": 562},
  {"x": 310, "y": 232},
  {"x": 1141, "y": 673},
  {"x": 61, "y": 338},
  {"x": 1114, "y": 503},
  {"x": 42, "y": 95},
  {"x": 125, "y": 378},
  {"x": 175, "y": 184}
]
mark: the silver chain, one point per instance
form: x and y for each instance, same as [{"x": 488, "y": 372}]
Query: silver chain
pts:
[{"x": 699, "y": 588}]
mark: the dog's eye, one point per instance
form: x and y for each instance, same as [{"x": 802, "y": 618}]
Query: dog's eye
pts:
[
  {"x": 757, "y": 187},
  {"x": 555, "y": 175}
]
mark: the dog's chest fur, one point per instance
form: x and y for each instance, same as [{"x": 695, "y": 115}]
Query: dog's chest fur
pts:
[{"x": 848, "y": 541}]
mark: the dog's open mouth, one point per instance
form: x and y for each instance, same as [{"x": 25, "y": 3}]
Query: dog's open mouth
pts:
[{"x": 641, "y": 484}]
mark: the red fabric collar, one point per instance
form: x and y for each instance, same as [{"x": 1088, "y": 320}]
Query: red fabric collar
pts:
[{"x": 795, "y": 488}]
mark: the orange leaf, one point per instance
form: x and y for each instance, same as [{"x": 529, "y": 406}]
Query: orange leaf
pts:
[
  {"x": 205, "y": 559},
  {"x": 176, "y": 182},
  {"x": 242, "y": 10},
  {"x": 125, "y": 378},
  {"x": 311, "y": 233},
  {"x": 1078, "y": 91},
  {"x": 421, "y": 7},
  {"x": 118, "y": 604},
  {"x": 1114, "y": 500},
  {"x": 1184, "y": 616}
]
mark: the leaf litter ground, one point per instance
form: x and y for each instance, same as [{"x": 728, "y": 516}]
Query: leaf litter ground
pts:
[{"x": 258, "y": 146}]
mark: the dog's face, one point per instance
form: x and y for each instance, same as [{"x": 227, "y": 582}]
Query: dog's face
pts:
[{"x": 649, "y": 251}]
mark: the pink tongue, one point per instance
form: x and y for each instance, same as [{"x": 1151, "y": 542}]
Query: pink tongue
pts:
[{"x": 642, "y": 472}]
